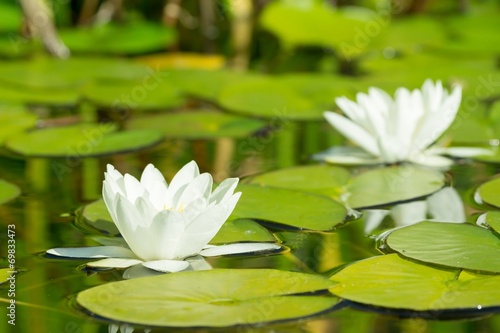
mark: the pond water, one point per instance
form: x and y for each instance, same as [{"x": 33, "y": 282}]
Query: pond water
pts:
[{"x": 43, "y": 216}]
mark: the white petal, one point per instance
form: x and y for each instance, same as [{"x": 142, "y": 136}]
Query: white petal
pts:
[
  {"x": 184, "y": 176},
  {"x": 481, "y": 221},
  {"x": 409, "y": 213},
  {"x": 353, "y": 132},
  {"x": 166, "y": 265},
  {"x": 200, "y": 187},
  {"x": 198, "y": 263},
  {"x": 165, "y": 233},
  {"x": 132, "y": 229},
  {"x": 462, "y": 151},
  {"x": 224, "y": 191},
  {"x": 353, "y": 111},
  {"x": 146, "y": 210},
  {"x": 239, "y": 248},
  {"x": 138, "y": 271},
  {"x": 431, "y": 160},
  {"x": 446, "y": 206},
  {"x": 150, "y": 176},
  {"x": 113, "y": 173},
  {"x": 346, "y": 155},
  {"x": 133, "y": 188},
  {"x": 92, "y": 252},
  {"x": 159, "y": 196},
  {"x": 201, "y": 230},
  {"x": 110, "y": 199},
  {"x": 373, "y": 218},
  {"x": 114, "y": 263}
]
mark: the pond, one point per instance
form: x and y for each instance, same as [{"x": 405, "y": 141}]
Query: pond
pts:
[{"x": 381, "y": 215}]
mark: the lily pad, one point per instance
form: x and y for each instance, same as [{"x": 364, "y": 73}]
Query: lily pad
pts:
[
  {"x": 267, "y": 97},
  {"x": 81, "y": 141},
  {"x": 392, "y": 282},
  {"x": 320, "y": 179},
  {"x": 449, "y": 244},
  {"x": 392, "y": 185},
  {"x": 95, "y": 218},
  {"x": 492, "y": 220},
  {"x": 8, "y": 191},
  {"x": 289, "y": 208},
  {"x": 14, "y": 119},
  {"x": 202, "y": 124},
  {"x": 490, "y": 192},
  {"x": 325, "y": 25},
  {"x": 151, "y": 92},
  {"x": 4, "y": 274},
  {"x": 130, "y": 38},
  {"x": 215, "y": 298},
  {"x": 242, "y": 230}
]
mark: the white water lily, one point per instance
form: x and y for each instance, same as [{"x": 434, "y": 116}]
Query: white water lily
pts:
[
  {"x": 164, "y": 224},
  {"x": 399, "y": 129},
  {"x": 445, "y": 205}
]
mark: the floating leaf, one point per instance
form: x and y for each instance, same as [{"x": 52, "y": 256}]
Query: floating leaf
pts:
[
  {"x": 267, "y": 97},
  {"x": 391, "y": 185},
  {"x": 492, "y": 220},
  {"x": 81, "y": 141},
  {"x": 95, "y": 217},
  {"x": 393, "y": 282},
  {"x": 14, "y": 119},
  {"x": 325, "y": 26},
  {"x": 8, "y": 191},
  {"x": 151, "y": 92},
  {"x": 490, "y": 192},
  {"x": 130, "y": 38},
  {"x": 320, "y": 179},
  {"x": 202, "y": 124},
  {"x": 216, "y": 298},
  {"x": 289, "y": 208},
  {"x": 449, "y": 244}
]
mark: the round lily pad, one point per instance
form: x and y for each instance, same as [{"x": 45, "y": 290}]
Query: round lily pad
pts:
[
  {"x": 14, "y": 119},
  {"x": 492, "y": 220},
  {"x": 320, "y": 179},
  {"x": 95, "y": 217},
  {"x": 151, "y": 92},
  {"x": 392, "y": 185},
  {"x": 392, "y": 282},
  {"x": 289, "y": 208},
  {"x": 212, "y": 298},
  {"x": 202, "y": 124},
  {"x": 8, "y": 191},
  {"x": 81, "y": 141},
  {"x": 450, "y": 244},
  {"x": 490, "y": 192},
  {"x": 267, "y": 97},
  {"x": 130, "y": 38}
]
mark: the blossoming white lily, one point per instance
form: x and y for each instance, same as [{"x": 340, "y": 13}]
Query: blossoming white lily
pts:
[
  {"x": 395, "y": 130},
  {"x": 445, "y": 205},
  {"x": 165, "y": 224}
]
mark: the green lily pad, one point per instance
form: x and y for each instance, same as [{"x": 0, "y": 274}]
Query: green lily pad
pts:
[
  {"x": 14, "y": 119},
  {"x": 95, "y": 218},
  {"x": 242, "y": 230},
  {"x": 267, "y": 97},
  {"x": 4, "y": 274},
  {"x": 490, "y": 192},
  {"x": 216, "y": 298},
  {"x": 152, "y": 92},
  {"x": 391, "y": 185},
  {"x": 8, "y": 191},
  {"x": 289, "y": 208},
  {"x": 130, "y": 38},
  {"x": 320, "y": 179},
  {"x": 202, "y": 124},
  {"x": 81, "y": 141},
  {"x": 492, "y": 219},
  {"x": 449, "y": 244},
  {"x": 325, "y": 26},
  {"x": 392, "y": 282}
]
